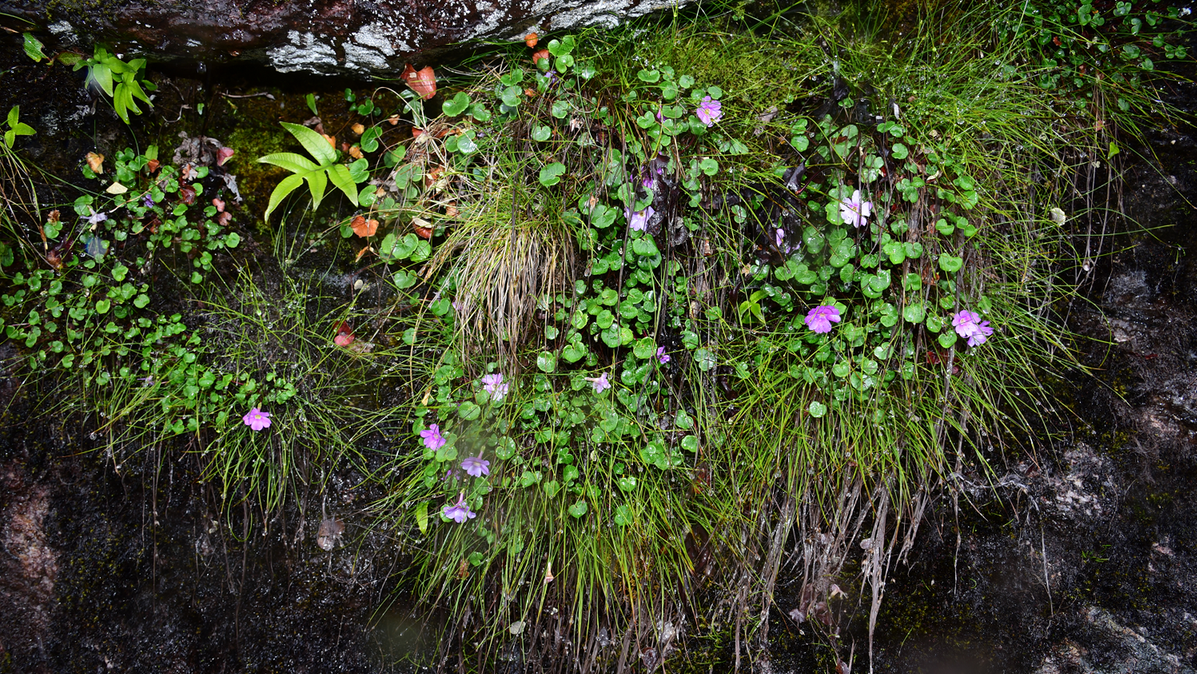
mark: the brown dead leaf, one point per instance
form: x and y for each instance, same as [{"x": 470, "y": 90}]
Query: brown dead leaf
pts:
[
  {"x": 451, "y": 209},
  {"x": 332, "y": 140},
  {"x": 433, "y": 175},
  {"x": 540, "y": 54},
  {"x": 422, "y": 228},
  {"x": 355, "y": 152},
  {"x": 393, "y": 119},
  {"x": 531, "y": 39},
  {"x": 363, "y": 227},
  {"x": 328, "y": 536},
  {"x": 95, "y": 162},
  {"x": 358, "y": 129}
]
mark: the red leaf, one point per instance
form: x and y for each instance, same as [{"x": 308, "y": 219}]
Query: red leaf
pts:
[{"x": 422, "y": 81}]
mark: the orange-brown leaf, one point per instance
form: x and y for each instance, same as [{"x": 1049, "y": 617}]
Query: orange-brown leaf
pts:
[
  {"x": 95, "y": 162},
  {"x": 359, "y": 129},
  {"x": 540, "y": 54},
  {"x": 531, "y": 39},
  {"x": 363, "y": 227},
  {"x": 422, "y": 81}
]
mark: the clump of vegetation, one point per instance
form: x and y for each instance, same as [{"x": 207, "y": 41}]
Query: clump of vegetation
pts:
[{"x": 635, "y": 330}]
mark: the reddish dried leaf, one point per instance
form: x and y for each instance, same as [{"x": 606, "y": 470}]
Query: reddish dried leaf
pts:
[
  {"x": 187, "y": 194},
  {"x": 224, "y": 218},
  {"x": 422, "y": 228},
  {"x": 540, "y": 54},
  {"x": 344, "y": 336},
  {"x": 422, "y": 81},
  {"x": 219, "y": 204},
  {"x": 95, "y": 162},
  {"x": 152, "y": 165},
  {"x": 363, "y": 227},
  {"x": 223, "y": 155},
  {"x": 531, "y": 39}
]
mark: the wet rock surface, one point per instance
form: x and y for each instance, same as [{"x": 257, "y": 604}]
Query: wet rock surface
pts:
[
  {"x": 98, "y": 573},
  {"x": 358, "y": 38}
]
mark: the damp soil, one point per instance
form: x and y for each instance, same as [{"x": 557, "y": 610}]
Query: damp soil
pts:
[{"x": 1086, "y": 561}]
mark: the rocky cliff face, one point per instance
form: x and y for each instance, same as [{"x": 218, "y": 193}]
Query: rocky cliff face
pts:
[{"x": 357, "y": 38}]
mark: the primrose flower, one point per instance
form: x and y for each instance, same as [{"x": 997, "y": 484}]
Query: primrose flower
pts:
[
  {"x": 821, "y": 317},
  {"x": 432, "y": 437},
  {"x": 256, "y": 419},
  {"x": 459, "y": 512},
  {"x": 638, "y": 221},
  {"x": 970, "y": 326},
  {"x": 662, "y": 357},
  {"x": 600, "y": 384},
  {"x": 853, "y": 211},
  {"x": 476, "y": 466},
  {"x": 495, "y": 386},
  {"x": 709, "y": 111}
]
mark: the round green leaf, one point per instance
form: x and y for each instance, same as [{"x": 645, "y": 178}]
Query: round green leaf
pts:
[
  {"x": 578, "y": 509},
  {"x": 456, "y": 105}
]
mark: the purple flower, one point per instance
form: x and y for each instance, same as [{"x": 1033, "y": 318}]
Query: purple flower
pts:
[
  {"x": 970, "y": 326},
  {"x": 476, "y": 466},
  {"x": 257, "y": 419},
  {"x": 780, "y": 237},
  {"x": 709, "y": 111},
  {"x": 854, "y": 212},
  {"x": 662, "y": 357},
  {"x": 821, "y": 317},
  {"x": 96, "y": 218},
  {"x": 459, "y": 512},
  {"x": 638, "y": 221},
  {"x": 432, "y": 437},
  {"x": 147, "y": 200},
  {"x": 495, "y": 386},
  {"x": 600, "y": 384}
]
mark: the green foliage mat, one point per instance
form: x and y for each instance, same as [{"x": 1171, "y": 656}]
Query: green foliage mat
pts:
[{"x": 636, "y": 318}]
